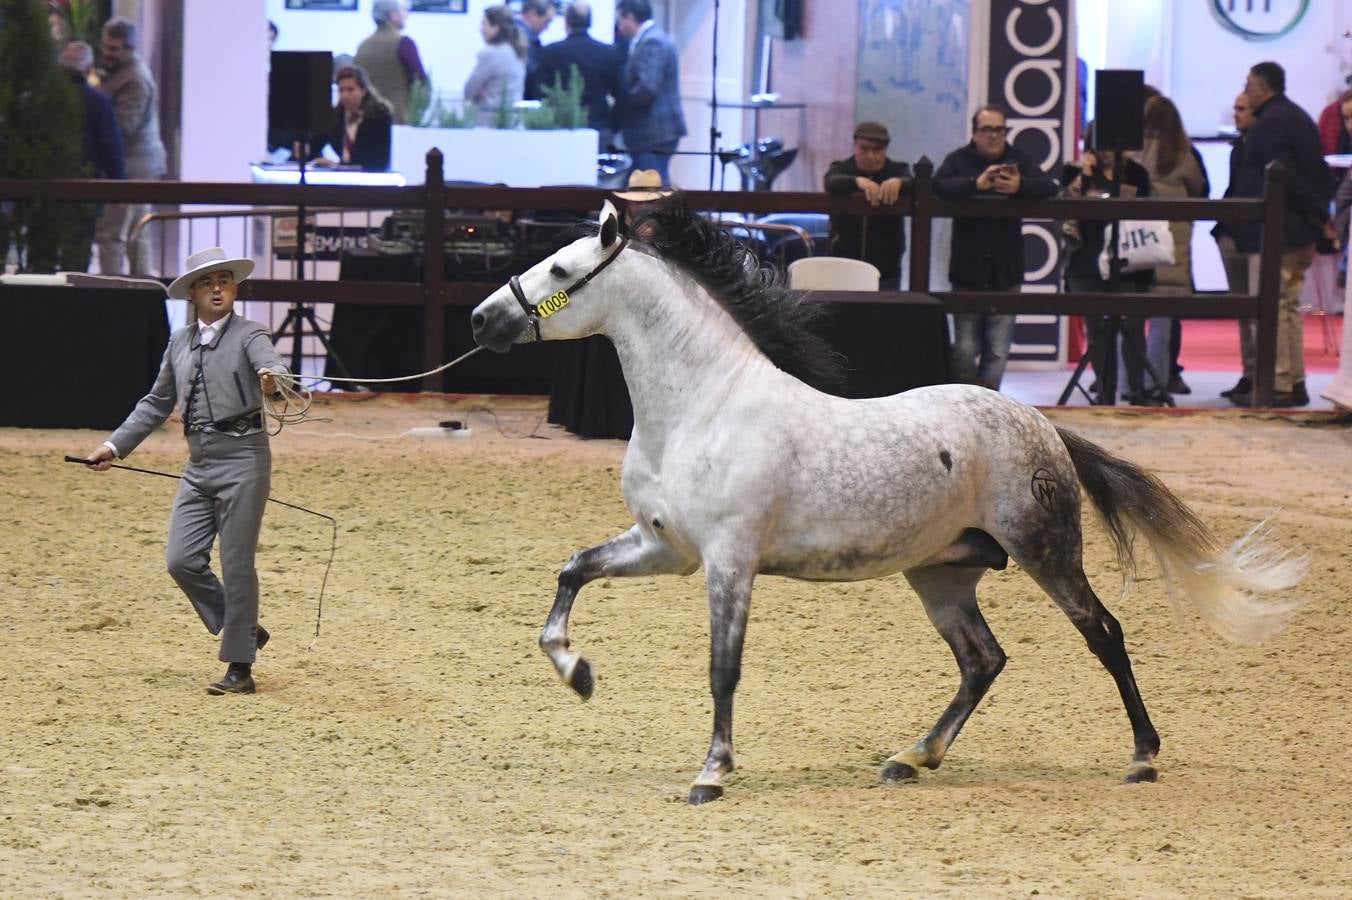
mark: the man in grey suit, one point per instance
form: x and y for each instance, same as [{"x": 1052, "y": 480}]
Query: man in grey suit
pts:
[
  {"x": 128, "y": 83},
  {"x": 215, "y": 372},
  {"x": 652, "y": 121}
]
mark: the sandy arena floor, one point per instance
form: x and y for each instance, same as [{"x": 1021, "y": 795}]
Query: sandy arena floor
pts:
[{"x": 424, "y": 745}]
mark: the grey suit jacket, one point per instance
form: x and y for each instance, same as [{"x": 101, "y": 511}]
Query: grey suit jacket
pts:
[
  {"x": 499, "y": 77},
  {"x": 652, "y": 96},
  {"x": 230, "y": 365},
  {"x": 132, "y": 90}
]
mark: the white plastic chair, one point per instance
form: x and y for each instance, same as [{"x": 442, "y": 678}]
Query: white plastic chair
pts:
[{"x": 833, "y": 273}]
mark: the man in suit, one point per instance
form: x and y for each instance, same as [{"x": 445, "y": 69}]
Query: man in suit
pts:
[
  {"x": 598, "y": 63},
  {"x": 1285, "y": 133},
  {"x": 215, "y": 373},
  {"x": 128, "y": 83},
  {"x": 534, "y": 19},
  {"x": 650, "y": 86}
]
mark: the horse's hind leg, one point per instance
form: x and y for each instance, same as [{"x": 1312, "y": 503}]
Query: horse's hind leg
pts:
[
  {"x": 949, "y": 595},
  {"x": 1065, "y": 581},
  {"x": 631, "y": 553}
]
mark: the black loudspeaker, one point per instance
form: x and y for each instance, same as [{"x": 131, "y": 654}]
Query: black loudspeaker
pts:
[
  {"x": 1119, "y": 109},
  {"x": 300, "y": 96}
]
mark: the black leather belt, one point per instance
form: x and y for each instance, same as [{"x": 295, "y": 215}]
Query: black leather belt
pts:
[{"x": 238, "y": 425}]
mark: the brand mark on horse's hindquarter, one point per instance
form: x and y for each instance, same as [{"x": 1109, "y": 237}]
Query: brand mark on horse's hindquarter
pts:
[{"x": 1044, "y": 489}]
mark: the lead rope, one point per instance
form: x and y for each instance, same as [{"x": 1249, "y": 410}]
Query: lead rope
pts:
[{"x": 294, "y": 406}]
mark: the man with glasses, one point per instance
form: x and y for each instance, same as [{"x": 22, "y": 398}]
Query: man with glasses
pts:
[
  {"x": 879, "y": 240},
  {"x": 987, "y": 254}
]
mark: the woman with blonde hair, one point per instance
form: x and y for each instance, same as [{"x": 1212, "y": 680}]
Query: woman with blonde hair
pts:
[
  {"x": 1169, "y": 157},
  {"x": 499, "y": 76}
]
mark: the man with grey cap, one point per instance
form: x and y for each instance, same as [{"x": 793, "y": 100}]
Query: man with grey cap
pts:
[
  {"x": 879, "y": 240},
  {"x": 215, "y": 372}
]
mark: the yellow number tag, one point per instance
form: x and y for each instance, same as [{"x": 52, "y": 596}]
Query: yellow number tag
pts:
[{"x": 556, "y": 302}]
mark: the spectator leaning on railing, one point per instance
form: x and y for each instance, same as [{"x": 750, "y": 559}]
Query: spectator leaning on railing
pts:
[
  {"x": 879, "y": 240},
  {"x": 987, "y": 254}
]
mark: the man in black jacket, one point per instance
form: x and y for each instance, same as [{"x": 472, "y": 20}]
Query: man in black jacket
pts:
[
  {"x": 1285, "y": 133},
  {"x": 987, "y": 254},
  {"x": 598, "y": 63},
  {"x": 878, "y": 240}
]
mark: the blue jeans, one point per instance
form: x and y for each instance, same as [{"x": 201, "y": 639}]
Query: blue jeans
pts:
[
  {"x": 981, "y": 348},
  {"x": 652, "y": 158}
]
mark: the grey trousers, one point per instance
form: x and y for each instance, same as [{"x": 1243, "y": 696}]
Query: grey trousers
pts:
[
  {"x": 224, "y": 491},
  {"x": 111, "y": 233},
  {"x": 1238, "y": 274}
]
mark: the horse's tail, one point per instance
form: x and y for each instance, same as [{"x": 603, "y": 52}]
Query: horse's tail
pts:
[{"x": 1220, "y": 584}]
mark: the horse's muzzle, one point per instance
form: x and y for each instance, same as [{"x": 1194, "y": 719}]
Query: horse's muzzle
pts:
[{"x": 497, "y": 330}]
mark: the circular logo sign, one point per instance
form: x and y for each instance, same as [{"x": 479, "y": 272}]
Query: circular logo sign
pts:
[{"x": 1260, "y": 20}]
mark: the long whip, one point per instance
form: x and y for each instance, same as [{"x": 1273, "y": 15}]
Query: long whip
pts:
[{"x": 333, "y": 546}]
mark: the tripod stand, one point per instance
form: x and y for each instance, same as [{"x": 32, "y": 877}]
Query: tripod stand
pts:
[
  {"x": 300, "y": 314},
  {"x": 1105, "y": 331}
]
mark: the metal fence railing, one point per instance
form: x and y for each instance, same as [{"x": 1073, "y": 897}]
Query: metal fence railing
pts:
[{"x": 434, "y": 293}]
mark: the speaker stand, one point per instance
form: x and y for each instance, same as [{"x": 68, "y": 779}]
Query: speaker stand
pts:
[{"x": 300, "y": 314}]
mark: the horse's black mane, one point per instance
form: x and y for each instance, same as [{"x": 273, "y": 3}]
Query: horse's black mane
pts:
[{"x": 756, "y": 296}]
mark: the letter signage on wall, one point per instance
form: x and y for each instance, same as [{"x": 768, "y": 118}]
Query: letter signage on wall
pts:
[{"x": 1031, "y": 73}]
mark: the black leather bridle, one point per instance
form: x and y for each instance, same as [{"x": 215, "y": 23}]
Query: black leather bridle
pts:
[{"x": 559, "y": 299}]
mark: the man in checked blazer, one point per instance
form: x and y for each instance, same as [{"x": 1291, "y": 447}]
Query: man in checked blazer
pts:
[
  {"x": 651, "y": 120},
  {"x": 215, "y": 373}
]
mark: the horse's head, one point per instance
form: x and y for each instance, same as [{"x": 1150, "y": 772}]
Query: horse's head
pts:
[{"x": 540, "y": 305}]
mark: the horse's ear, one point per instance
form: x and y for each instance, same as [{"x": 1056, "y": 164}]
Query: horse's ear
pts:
[{"x": 610, "y": 224}]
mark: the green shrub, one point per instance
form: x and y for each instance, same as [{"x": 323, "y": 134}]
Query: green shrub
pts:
[{"x": 41, "y": 120}]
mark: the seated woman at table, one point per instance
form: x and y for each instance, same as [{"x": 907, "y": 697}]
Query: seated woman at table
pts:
[
  {"x": 360, "y": 134},
  {"x": 499, "y": 76}
]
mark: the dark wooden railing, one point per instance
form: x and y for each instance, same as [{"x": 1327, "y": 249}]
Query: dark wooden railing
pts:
[{"x": 434, "y": 293}]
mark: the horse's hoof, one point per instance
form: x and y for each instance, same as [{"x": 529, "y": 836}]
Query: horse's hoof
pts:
[
  {"x": 899, "y": 771},
  {"x": 704, "y": 793},
  {"x": 1139, "y": 774},
  {"x": 581, "y": 679}
]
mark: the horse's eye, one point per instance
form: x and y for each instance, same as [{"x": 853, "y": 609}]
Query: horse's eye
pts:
[{"x": 557, "y": 271}]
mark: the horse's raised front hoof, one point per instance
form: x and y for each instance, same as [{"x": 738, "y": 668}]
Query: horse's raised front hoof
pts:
[
  {"x": 1139, "y": 773},
  {"x": 704, "y": 793},
  {"x": 899, "y": 771},
  {"x": 581, "y": 679}
]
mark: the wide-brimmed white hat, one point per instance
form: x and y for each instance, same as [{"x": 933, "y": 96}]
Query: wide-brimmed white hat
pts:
[
  {"x": 204, "y": 262},
  {"x": 644, "y": 184}
]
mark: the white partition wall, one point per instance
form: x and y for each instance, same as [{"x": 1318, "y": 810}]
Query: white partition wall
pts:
[{"x": 447, "y": 42}]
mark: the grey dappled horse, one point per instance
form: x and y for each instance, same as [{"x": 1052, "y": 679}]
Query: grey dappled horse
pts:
[{"x": 738, "y": 466}]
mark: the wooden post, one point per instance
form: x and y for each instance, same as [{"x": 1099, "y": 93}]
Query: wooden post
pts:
[
  {"x": 434, "y": 272},
  {"x": 922, "y": 226},
  {"x": 1269, "y": 284}
]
